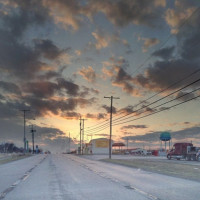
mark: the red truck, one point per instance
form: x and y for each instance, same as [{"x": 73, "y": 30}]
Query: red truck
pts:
[{"x": 183, "y": 151}]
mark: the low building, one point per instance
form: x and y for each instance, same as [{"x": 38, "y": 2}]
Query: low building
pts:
[{"x": 99, "y": 146}]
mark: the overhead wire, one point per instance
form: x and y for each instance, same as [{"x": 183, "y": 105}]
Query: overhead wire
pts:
[
  {"x": 164, "y": 109},
  {"x": 170, "y": 35},
  {"x": 106, "y": 123},
  {"x": 145, "y": 106},
  {"x": 161, "y": 110},
  {"x": 162, "y": 45}
]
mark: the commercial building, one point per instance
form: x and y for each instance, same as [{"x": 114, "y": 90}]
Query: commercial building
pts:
[{"x": 99, "y": 146}]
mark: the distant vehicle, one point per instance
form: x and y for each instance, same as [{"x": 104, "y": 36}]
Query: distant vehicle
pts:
[
  {"x": 183, "y": 151},
  {"x": 198, "y": 156},
  {"x": 139, "y": 151}
]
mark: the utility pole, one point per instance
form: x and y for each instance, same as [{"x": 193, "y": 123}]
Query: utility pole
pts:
[
  {"x": 80, "y": 137},
  {"x": 69, "y": 142},
  {"x": 110, "y": 140},
  {"x": 25, "y": 128},
  {"x": 33, "y": 131},
  {"x": 83, "y": 134},
  {"x": 127, "y": 142}
]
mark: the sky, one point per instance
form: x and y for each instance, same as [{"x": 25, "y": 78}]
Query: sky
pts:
[{"x": 59, "y": 59}]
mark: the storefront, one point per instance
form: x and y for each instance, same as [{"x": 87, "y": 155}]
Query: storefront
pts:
[{"x": 99, "y": 146}]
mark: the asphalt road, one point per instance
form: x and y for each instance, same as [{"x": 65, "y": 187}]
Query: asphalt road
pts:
[{"x": 75, "y": 178}]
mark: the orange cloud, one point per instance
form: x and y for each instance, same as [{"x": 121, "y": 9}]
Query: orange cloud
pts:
[{"x": 88, "y": 74}]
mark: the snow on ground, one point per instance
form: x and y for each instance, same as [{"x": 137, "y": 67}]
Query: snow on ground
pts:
[{"x": 70, "y": 177}]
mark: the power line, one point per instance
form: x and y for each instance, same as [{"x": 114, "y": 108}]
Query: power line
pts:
[
  {"x": 163, "y": 44},
  {"x": 118, "y": 119},
  {"x": 97, "y": 124},
  {"x": 181, "y": 25},
  {"x": 161, "y": 110},
  {"x": 170, "y": 86},
  {"x": 164, "y": 109},
  {"x": 163, "y": 104},
  {"x": 154, "y": 108}
]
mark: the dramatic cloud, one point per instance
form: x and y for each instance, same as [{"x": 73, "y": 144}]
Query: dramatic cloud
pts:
[
  {"x": 120, "y": 77},
  {"x": 88, "y": 74},
  {"x": 24, "y": 14},
  {"x": 127, "y": 110},
  {"x": 49, "y": 75},
  {"x": 107, "y": 108},
  {"x": 44, "y": 89},
  {"x": 10, "y": 87},
  {"x": 24, "y": 60},
  {"x": 70, "y": 87},
  {"x": 17, "y": 59},
  {"x": 134, "y": 127},
  {"x": 185, "y": 134},
  {"x": 47, "y": 49},
  {"x": 71, "y": 115},
  {"x": 184, "y": 96},
  {"x": 43, "y": 43},
  {"x": 14, "y": 130},
  {"x": 164, "y": 53},
  {"x": 42, "y": 107},
  {"x": 104, "y": 40},
  {"x": 149, "y": 42},
  {"x": 47, "y": 132},
  {"x": 10, "y": 109},
  {"x": 21, "y": 61},
  {"x": 122, "y": 13},
  {"x": 164, "y": 73},
  {"x": 40, "y": 89},
  {"x": 71, "y": 14},
  {"x": 176, "y": 17},
  {"x": 66, "y": 13},
  {"x": 98, "y": 116},
  {"x": 88, "y": 91}
]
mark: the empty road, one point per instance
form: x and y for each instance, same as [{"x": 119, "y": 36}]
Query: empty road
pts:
[{"x": 70, "y": 177}]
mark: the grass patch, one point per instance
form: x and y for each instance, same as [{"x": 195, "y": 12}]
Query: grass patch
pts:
[
  {"x": 12, "y": 158},
  {"x": 185, "y": 171}
]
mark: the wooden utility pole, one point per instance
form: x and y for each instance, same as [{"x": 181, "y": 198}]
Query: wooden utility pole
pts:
[
  {"x": 110, "y": 140},
  {"x": 25, "y": 129},
  {"x": 69, "y": 142},
  {"x": 33, "y": 131},
  {"x": 127, "y": 142},
  {"x": 83, "y": 134},
  {"x": 80, "y": 137}
]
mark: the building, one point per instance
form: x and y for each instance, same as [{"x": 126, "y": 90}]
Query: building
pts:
[{"x": 99, "y": 146}]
